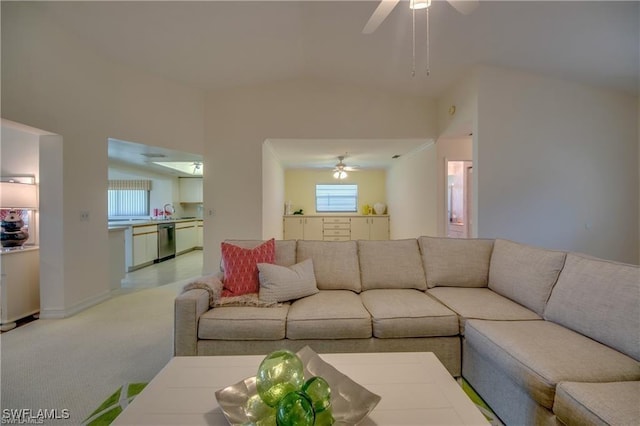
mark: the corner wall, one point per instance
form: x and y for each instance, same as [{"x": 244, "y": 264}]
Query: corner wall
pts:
[
  {"x": 557, "y": 164},
  {"x": 52, "y": 81}
]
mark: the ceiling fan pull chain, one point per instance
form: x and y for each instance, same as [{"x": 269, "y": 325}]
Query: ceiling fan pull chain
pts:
[
  {"x": 413, "y": 33},
  {"x": 428, "y": 46}
]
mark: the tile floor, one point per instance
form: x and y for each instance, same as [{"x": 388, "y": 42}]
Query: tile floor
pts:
[{"x": 182, "y": 267}]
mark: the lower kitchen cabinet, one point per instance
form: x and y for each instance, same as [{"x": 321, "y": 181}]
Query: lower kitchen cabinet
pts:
[
  {"x": 186, "y": 236},
  {"x": 19, "y": 285},
  {"x": 303, "y": 228},
  {"x": 336, "y": 228},
  {"x": 145, "y": 244},
  {"x": 370, "y": 228}
]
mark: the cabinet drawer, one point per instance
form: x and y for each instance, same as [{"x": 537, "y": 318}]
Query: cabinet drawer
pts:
[
  {"x": 182, "y": 225},
  {"x": 336, "y": 226},
  {"x": 148, "y": 229},
  {"x": 337, "y": 220},
  {"x": 337, "y": 232},
  {"x": 336, "y": 238}
]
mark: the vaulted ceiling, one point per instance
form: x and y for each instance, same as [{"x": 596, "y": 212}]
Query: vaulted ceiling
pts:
[{"x": 219, "y": 44}]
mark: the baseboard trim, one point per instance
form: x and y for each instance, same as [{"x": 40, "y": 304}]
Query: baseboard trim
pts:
[{"x": 78, "y": 307}]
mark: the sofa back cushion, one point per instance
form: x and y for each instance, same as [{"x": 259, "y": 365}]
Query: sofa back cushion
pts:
[
  {"x": 335, "y": 263},
  {"x": 523, "y": 273},
  {"x": 599, "y": 299},
  {"x": 391, "y": 264},
  {"x": 285, "y": 250},
  {"x": 456, "y": 262}
]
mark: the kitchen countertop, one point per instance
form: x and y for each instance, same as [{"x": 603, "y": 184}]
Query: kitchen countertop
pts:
[{"x": 124, "y": 224}]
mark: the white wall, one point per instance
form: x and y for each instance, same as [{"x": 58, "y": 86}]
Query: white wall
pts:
[
  {"x": 50, "y": 80},
  {"x": 557, "y": 164},
  {"x": 273, "y": 198},
  {"x": 238, "y": 121},
  {"x": 412, "y": 194}
]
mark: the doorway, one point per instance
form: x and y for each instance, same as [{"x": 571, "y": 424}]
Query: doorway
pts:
[{"x": 459, "y": 191}]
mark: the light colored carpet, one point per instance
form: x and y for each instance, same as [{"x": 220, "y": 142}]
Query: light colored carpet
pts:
[{"x": 74, "y": 363}]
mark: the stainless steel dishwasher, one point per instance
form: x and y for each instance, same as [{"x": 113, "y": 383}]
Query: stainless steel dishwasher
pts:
[{"x": 166, "y": 241}]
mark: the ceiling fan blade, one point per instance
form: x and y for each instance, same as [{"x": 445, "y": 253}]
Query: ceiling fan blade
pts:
[
  {"x": 380, "y": 14},
  {"x": 464, "y": 6}
]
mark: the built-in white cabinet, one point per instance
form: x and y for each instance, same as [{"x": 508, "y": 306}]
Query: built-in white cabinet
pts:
[
  {"x": 186, "y": 236},
  {"x": 190, "y": 190},
  {"x": 370, "y": 228},
  {"x": 145, "y": 244},
  {"x": 303, "y": 228},
  {"x": 336, "y": 228},
  {"x": 19, "y": 285},
  {"x": 199, "y": 234}
]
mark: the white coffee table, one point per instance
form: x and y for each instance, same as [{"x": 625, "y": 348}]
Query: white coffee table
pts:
[{"x": 415, "y": 388}]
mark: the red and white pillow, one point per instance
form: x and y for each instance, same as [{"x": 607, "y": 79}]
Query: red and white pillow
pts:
[{"x": 241, "y": 267}]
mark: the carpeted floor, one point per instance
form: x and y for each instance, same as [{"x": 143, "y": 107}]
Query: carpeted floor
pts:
[{"x": 74, "y": 363}]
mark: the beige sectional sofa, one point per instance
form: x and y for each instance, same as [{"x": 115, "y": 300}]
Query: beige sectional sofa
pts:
[{"x": 545, "y": 337}]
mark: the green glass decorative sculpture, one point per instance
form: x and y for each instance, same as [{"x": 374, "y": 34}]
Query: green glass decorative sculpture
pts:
[
  {"x": 295, "y": 409},
  {"x": 280, "y": 373},
  {"x": 319, "y": 391}
]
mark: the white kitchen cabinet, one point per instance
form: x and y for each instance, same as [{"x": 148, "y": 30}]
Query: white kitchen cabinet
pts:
[
  {"x": 190, "y": 190},
  {"x": 19, "y": 285},
  {"x": 145, "y": 245},
  {"x": 370, "y": 228},
  {"x": 303, "y": 228},
  {"x": 199, "y": 234},
  {"x": 186, "y": 236},
  {"x": 336, "y": 228}
]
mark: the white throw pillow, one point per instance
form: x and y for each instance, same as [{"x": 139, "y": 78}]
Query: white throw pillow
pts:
[{"x": 281, "y": 283}]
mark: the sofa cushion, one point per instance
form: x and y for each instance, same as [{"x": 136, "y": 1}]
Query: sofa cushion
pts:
[
  {"x": 456, "y": 262},
  {"x": 481, "y": 303},
  {"x": 335, "y": 263},
  {"x": 391, "y": 264},
  {"x": 600, "y": 299},
  {"x": 524, "y": 273},
  {"x": 243, "y": 323},
  {"x": 329, "y": 314},
  {"x": 537, "y": 355},
  {"x": 285, "y": 250},
  {"x": 282, "y": 283},
  {"x": 616, "y": 403},
  {"x": 241, "y": 269},
  {"x": 408, "y": 313}
]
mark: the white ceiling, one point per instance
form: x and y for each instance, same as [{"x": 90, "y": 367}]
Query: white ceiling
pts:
[{"x": 214, "y": 45}]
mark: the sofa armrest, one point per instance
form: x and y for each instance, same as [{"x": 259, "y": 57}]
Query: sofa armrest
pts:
[{"x": 188, "y": 307}]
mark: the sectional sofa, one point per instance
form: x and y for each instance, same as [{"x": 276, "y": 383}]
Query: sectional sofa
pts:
[{"x": 545, "y": 337}]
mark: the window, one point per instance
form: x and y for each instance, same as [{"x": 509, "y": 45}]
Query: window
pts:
[
  {"x": 128, "y": 198},
  {"x": 336, "y": 198}
]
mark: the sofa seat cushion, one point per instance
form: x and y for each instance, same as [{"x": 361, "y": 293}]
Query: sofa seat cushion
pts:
[
  {"x": 523, "y": 273},
  {"x": 408, "y": 313},
  {"x": 537, "y": 355},
  {"x": 391, "y": 264},
  {"x": 456, "y": 262},
  {"x": 329, "y": 314},
  {"x": 481, "y": 303},
  {"x": 243, "y": 323},
  {"x": 335, "y": 263},
  {"x": 616, "y": 403}
]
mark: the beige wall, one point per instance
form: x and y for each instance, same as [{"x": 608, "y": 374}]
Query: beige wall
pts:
[
  {"x": 51, "y": 81},
  {"x": 238, "y": 121},
  {"x": 557, "y": 164},
  {"x": 273, "y": 194},
  {"x": 300, "y": 187}
]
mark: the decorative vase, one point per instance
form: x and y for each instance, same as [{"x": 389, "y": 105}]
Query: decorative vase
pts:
[
  {"x": 13, "y": 232},
  {"x": 379, "y": 208}
]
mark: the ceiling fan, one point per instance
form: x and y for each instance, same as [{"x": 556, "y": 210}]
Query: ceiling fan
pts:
[
  {"x": 341, "y": 169},
  {"x": 386, "y": 7}
]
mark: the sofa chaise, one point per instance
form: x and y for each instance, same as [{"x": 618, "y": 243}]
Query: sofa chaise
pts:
[{"x": 545, "y": 337}]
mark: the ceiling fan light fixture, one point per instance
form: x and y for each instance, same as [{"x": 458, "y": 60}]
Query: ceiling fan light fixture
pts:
[
  {"x": 340, "y": 174},
  {"x": 419, "y": 4}
]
